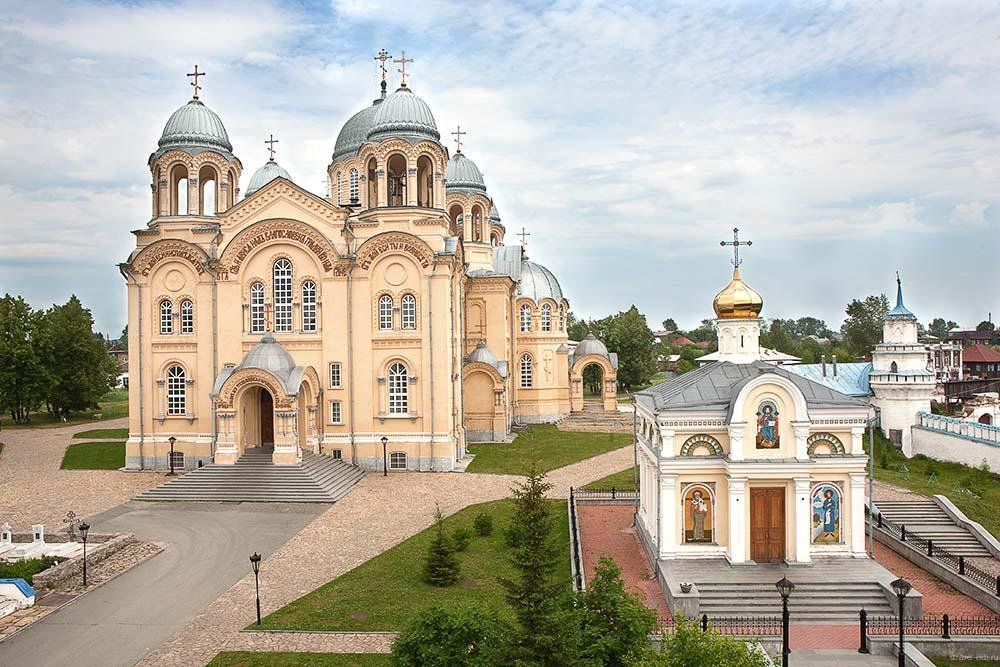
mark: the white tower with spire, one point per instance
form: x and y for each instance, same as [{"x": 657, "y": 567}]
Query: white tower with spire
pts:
[{"x": 900, "y": 379}]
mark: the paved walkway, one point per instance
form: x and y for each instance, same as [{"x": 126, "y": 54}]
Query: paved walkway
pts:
[
  {"x": 35, "y": 490},
  {"x": 378, "y": 514}
]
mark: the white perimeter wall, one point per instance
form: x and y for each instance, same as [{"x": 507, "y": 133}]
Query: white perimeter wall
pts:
[{"x": 951, "y": 447}]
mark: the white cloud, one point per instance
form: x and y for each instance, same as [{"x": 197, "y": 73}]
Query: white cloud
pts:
[{"x": 969, "y": 213}]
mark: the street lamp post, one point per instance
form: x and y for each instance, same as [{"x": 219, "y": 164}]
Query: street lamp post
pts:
[
  {"x": 171, "y": 440},
  {"x": 385, "y": 457},
  {"x": 84, "y": 529},
  {"x": 901, "y": 587},
  {"x": 255, "y": 564},
  {"x": 785, "y": 587}
]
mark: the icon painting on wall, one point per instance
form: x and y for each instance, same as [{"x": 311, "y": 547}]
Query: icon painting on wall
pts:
[
  {"x": 698, "y": 525},
  {"x": 767, "y": 426},
  {"x": 826, "y": 514}
]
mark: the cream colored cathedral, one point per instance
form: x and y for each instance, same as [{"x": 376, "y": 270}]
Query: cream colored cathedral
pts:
[{"x": 385, "y": 321}]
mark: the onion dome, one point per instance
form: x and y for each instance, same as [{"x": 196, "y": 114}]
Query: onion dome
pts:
[
  {"x": 482, "y": 354},
  {"x": 462, "y": 175},
  {"x": 900, "y": 312},
  {"x": 195, "y": 127},
  {"x": 737, "y": 300},
  {"x": 270, "y": 356},
  {"x": 590, "y": 345},
  {"x": 355, "y": 132},
  {"x": 538, "y": 283},
  {"x": 264, "y": 175},
  {"x": 404, "y": 115}
]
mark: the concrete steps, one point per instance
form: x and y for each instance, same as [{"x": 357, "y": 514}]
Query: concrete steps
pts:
[
  {"x": 317, "y": 479},
  {"x": 928, "y": 520},
  {"x": 594, "y": 418},
  {"x": 834, "y": 601}
]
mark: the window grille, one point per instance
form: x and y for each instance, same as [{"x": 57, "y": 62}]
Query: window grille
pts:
[
  {"x": 526, "y": 370},
  {"x": 335, "y": 375},
  {"x": 399, "y": 388},
  {"x": 335, "y": 412},
  {"x": 409, "y": 311},
  {"x": 397, "y": 460},
  {"x": 187, "y": 316},
  {"x": 546, "y": 317},
  {"x": 309, "y": 306},
  {"x": 166, "y": 317},
  {"x": 354, "y": 185},
  {"x": 282, "y": 296},
  {"x": 257, "y": 308},
  {"x": 525, "y": 317},
  {"x": 176, "y": 391},
  {"x": 385, "y": 313}
]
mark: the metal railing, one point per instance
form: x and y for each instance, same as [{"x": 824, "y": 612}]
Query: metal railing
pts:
[
  {"x": 964, "y": 428},
  {"x": 737, "y": 626},
  {"x": 954, "y": 563},
  {"x": 943, "y": 626},
  {"x": 612, "y": 494},
  {"x": 575, "y": 552}
]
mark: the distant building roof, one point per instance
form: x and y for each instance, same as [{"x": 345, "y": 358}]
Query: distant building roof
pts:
[
  {"x": 681, "y": 341},
  {"x": 980, "y": 353},
  {"x": 851, "y": 379}
]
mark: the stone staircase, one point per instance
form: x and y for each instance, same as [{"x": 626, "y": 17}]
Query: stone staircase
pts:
[
  {"x": 812, "y": 601},
  {"x": 594, "y": 418},
  {"x": 254, "y": 478},
  {"x": 928, "y": 520}
]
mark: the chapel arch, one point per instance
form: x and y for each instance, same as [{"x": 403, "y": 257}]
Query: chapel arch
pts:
[
  {"x": 396, "y": 179},
  {"x": 208, "y": 188},
  {"x": 425, "y": 181},
  {"x": 178, "y": 189},
  {"x": 608, "y": 382},
  {"x": 372, "y": 183},
  {"x": 455, "y": 212}
]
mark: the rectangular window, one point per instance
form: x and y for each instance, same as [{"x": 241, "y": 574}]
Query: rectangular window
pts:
[
  {"x": 309, "y": 306},
  {"x": 335, "y": 414},
  {"x": 397, "y": 460},
  {"x": 336, "y": 455},
  {"x": 335, "y": 375}
]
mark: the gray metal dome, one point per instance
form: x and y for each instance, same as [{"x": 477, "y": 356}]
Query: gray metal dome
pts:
[
  {"x": 494, "y": 213},
  {"x": 264, "y": 175},
  {"x": 463, "y": 175},
  {"x": 590, "y": 345},
  {"x": 482, "y": 354},
  {"x": 404, "y": 115},
  {"x": 270, "y": 356},
  {"x": 355, "y": 132},
  {"x": 538, "y": 283},
  {"x": 195, "y": 126}
]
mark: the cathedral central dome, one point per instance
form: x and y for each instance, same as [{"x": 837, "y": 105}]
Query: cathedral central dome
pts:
[
  {"x": 194, "y": 125},
  {"x": 405, "y": 115},
  {"x": 462, "y": 174},
  {"x": 737, "y": 300},
  {"x": 269, "y": 171},
  {"x": 355, "y": 132}
]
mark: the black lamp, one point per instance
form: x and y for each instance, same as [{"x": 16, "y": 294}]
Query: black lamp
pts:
[
  {"x": 255, "y": 564},
  {"x": 385, "y": 457},
  {"x": 785, "y": 588},
  {"x": 84, "y": 530},
  {"x": 901, "y": 587},
  {"x": 171, "y": 440}
]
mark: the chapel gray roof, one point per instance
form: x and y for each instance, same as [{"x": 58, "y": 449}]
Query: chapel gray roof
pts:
[
  {"x": 266, "y": 173},
  {"x": 507, "y": 260},
  {"x": 355, "y": 132},
  {"x": 462, "y": 175},
  {"x": 494, "y": 213},
  {"x": 851, "y": 378},
  {"x": 715, "y": 386},
  {"x": 591, "y": 344},
  {"x": 194, "y": 127},
  {"x": 538, "y": 283},
  {"x": 404, "y": 115},
  {"x": 270, "y": 356}
]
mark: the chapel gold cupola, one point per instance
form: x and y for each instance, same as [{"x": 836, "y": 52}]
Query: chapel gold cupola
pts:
[
  {"x": 193, "y": 168},
  {"x": 737, "y": 311},
  {"x": 737, "y": 300}
]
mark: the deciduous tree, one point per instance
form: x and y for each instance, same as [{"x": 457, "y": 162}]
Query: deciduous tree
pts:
[
  {"x": 22, "y": 375},
  {"x": 862, "y": 328},
  {"x": 614, "y": 624}
]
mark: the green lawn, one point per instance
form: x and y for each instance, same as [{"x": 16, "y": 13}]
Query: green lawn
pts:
[
  {"x": 94, "y": 456},
  {"x": 103, "y": 434},
  {"x": 249, "y": 659},
  {"x": 622, "y": 481},
  {"x": 113, "y": 405},
  {"x": 384, "y": 592},
  {"x": 948, "y": 662},
  {"x": 984, "y": 509},
  {"x": 545, "y": 444}
]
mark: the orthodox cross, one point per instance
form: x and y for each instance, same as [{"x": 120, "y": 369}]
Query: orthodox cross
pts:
[
  {"x": 194, "y": 83},
  {"x": 736, "y": 243},
  {"x": 524, "y": 236},
  {"x": 458, "y": 139},
  {"x": 72, "y": 522},
  {"x": 402, "y": 61},
  {"x": 383, "y": 55},
  {"x": 270, "y": 146}
]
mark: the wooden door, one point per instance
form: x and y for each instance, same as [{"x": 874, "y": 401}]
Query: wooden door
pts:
[
  {"x": 266, "y": 418},
  {"x": 767, "y": 525}
]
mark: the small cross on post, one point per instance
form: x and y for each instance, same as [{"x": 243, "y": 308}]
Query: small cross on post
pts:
[
  {"x": 524, "y": 237},
  {"x": 194, "y": 83},
  {"x": 458, "y": 139},
  {"x": 72, "y": 523},
  {"x": 736, "y": 243},
  {"x": 382, "y": 56},
  {"x": 402, "y": 60},
  {"x": 270, "y": 146}
]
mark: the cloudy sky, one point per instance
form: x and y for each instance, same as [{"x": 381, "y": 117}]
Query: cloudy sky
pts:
[{"x": 846, "y": 140}]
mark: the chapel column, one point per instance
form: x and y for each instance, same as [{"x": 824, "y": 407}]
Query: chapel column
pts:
[
  {"x": 411, "y": 186},
  {"x": 667, "y": 508},
  {"x": 801, "y": 439},
  {"x": 858, "y": 440},
  {"x": 163, "y": 197},
  {"x": 666, "y": 449},
  {"x": 382, "y": 188},
  {"x": 857, "y": 518},
  {"x": 803, "y": 519},
  {"x": 737, "y": 519},
  {"x": 193, "y": 198},
  {"x": 736, "y": 431}
]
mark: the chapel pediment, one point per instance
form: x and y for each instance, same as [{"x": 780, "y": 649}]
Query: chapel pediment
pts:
[{"x": 282, "y": 198}]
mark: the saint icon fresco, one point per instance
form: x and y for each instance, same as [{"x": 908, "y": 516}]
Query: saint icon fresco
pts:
[
  {"x": 698, "y": 516},
  {"x": 767, "y": 426},
  {"x": 826, "y": 515}
]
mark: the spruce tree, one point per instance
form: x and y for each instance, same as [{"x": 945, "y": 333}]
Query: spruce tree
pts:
[{"x": 441, "y": 567}]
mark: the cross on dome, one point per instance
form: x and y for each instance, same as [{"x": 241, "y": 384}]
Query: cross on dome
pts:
[
  {"x": 402, "y": 60},
  {"x": 270, "y": 146},
  {"x": 458, "y": 139},
  {"x": 194, "y": 83},
  {"x": 736, "y": 243},
  {"x": 524, "y": 237}
]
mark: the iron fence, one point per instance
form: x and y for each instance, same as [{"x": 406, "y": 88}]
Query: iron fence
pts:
[
  {"x": 737, "y": 626},
  {"x": 576, "y": 553},
  {"x": 612, "y": 494},
  {"x": 953, "y": 562},
  {"x": 944, "y": 626}
]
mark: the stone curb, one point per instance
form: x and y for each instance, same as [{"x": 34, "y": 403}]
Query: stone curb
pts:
[{"x": 73, "y": 567}]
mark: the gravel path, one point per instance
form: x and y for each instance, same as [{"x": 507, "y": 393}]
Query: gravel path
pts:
[
  {"x": 35, "y": 490},
  {"x": 379, "y": 513}
]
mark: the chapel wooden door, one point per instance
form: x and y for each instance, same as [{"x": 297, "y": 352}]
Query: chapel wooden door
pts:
[
  {"x": 767, "y": 525},
  {"x": 266, "y": 418}
]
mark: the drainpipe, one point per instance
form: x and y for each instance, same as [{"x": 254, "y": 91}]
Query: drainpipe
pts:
[
  {"x": 430, "y": 354},
  {"x": 215, "y": 335},
  {"x": 348, "y": 236},
  {"x": 451, "y": 361}
]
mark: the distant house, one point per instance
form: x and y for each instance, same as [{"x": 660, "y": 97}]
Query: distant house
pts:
[
  {"x": 974, "y": 337},
  {"x": 120, "y": 353},
  {"x": 981, "y": 362},
  {"x": 682, "y": 341}
]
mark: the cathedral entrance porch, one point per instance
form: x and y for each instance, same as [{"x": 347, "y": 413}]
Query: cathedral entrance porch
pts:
[{"x": 767, "y": 525}]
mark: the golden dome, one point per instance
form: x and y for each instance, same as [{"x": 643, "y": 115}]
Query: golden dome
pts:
[{"x": 737, "y": 300}]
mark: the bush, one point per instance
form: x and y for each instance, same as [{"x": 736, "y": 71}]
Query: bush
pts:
[
  {"x": 453, "y": 637},
  {"x": 614, "y": 623},
  {"x": 483, "y": 524},
  {"x": 512, "y": 536},
  {"x": 441, "y": 567},
  {"x": 461, "y": 538},
  {"x": 690, "y": 646},
  {"x": 26, "y": 569}
]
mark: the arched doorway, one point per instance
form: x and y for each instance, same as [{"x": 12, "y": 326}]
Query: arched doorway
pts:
[
  {"x": 593, "y": 383},
  {"x": 593, "y": 377},
  {"x": 265, "y": 403},
  {"x": 986, "y": 418}
]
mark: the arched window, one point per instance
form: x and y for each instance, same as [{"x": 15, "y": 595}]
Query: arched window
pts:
[
  {"x": 525, "y": 317},
  {"x": 408, "y": 310},
  {"x": 257, "y": 308},
  {"x": 399, "y": 390},
  {"x": 178, "y": 190},
  {"x": 526, "y": 371},
  {"x": 176, "y": 391},
  {"x": 282, "y": 295},
  {"x": 562, "y": 318},
  {"x": 166, "y": 317},
  {"x": 396, "y": 184},
  {"x": 546, "y": 317},
  {"x": 187, "y": 316},
  {"x": 455, "y": 213},
  {"x": 353, "y": 186},
  {"x": 309, "y": 306},
  {"x": 894, "y": 367},
  {"x": 425, "y": 182},
  {"x": 397, "y": 460},
  {"x": 208, "y": 180},
  {"x": 231, "y": 189},
  {"x": 494, "y": 240},
  {"x": 340, "y": 188},
  {"x": 477, "y": 223},
  {"x": 372, "y": 183},
  {"x": 385, "y": 312}
]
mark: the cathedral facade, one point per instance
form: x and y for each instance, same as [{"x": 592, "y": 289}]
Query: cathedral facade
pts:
[{"x": 384, "y": 322}]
